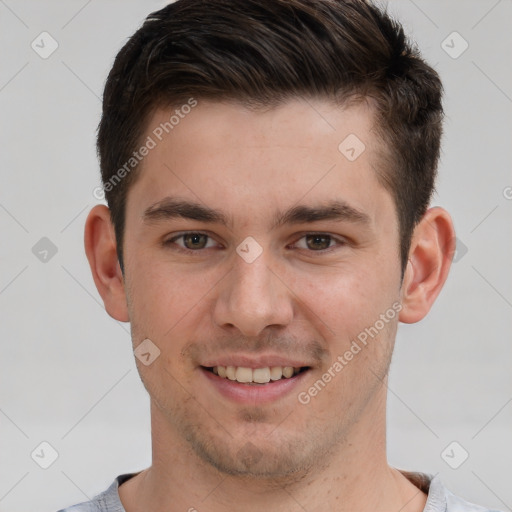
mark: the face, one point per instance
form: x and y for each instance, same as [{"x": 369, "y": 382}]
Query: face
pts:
[{"x": 263, "y": 261}]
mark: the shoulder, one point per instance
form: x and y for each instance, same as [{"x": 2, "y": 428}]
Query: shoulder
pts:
[
  {"x": 440, "y": 499},
  {"x": 107, "y": 501}
]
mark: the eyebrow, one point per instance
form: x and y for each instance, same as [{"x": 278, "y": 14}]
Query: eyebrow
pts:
[
  {"x": 170, "y": 208},
  {"x": 335, "y": 210}
]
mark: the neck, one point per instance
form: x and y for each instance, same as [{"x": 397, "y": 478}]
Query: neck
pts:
[{"x": 355, "y": 477}]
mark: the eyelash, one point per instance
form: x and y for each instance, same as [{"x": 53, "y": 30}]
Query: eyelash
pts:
[{"x": 339, "y": 242}]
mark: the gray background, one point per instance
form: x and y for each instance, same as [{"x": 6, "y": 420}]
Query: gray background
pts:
[{"x": 67, "y": 372}]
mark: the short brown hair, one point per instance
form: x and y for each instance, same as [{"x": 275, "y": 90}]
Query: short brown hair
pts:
[{"x": 262, "y": 52}]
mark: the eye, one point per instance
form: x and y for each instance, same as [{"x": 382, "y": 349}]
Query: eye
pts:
[
  {"x": 318, "y": 242},
  {"x": 191, "y": 241}
]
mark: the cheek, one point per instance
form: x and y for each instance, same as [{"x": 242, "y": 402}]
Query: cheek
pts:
[
  {"x": 344, "y": 299},
  {"x": 166, "y": 299}
]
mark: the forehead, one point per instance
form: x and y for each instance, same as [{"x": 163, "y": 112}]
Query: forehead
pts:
[{"x": 256, "y": 161}]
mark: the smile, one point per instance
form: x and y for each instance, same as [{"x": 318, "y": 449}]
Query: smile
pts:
[{"x": 263, "y": 375}]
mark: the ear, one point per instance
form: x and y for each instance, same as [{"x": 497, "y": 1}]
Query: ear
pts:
[
  {"x": 430, "y": 257},
  {"x": 100, "y": 247}
]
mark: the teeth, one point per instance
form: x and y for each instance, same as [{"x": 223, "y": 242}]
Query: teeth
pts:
[
  {"x": 258, "y": 375},
  {"x": 261, "y": 375},
  {"x": 276, "y": 372},
  {"x": 287, "y": 371},
  {"x": 243, "y": 374}
]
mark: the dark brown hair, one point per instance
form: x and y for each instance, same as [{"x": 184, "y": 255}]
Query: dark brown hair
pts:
[{"x": 262, "y": 52}]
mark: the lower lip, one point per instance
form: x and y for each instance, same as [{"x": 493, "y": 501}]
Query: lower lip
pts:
[{"x": 254, "y": 393}]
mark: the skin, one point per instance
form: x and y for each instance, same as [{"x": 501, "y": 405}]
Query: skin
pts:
[{"x": 302, "y": 297}]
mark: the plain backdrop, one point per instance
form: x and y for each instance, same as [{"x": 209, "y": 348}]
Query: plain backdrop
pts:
[{"x": 67, "y": 373}]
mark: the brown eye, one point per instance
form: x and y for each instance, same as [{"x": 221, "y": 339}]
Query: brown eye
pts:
[
  {"x": 318, "y": 242},
  {"x": 195, "y": 240},
  {"x": 192, "y": 241}
]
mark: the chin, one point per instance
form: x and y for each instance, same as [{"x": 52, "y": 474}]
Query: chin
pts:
[{"x": 262, "y": 458}]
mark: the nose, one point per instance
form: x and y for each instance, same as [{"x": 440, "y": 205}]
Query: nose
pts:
[{"x": 253, "y": 297}]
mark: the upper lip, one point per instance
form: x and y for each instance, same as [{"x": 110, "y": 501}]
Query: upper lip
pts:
[{"x": 253, "y": 362}]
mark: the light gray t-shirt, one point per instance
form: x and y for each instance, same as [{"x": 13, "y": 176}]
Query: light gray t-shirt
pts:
[{"x": 439, "y": 498}]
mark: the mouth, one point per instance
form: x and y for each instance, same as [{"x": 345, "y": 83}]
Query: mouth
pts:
[
  {"x": 256, "y": 376},
  {"x": 248, "y": 386}
]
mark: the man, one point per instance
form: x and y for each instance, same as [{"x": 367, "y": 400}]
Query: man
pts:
[{"x": 268, "y": 167}]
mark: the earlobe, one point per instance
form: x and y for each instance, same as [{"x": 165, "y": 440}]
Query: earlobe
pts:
[
  {"x": 430, "y": 256},
  {"x": 100, "y": 247}
]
